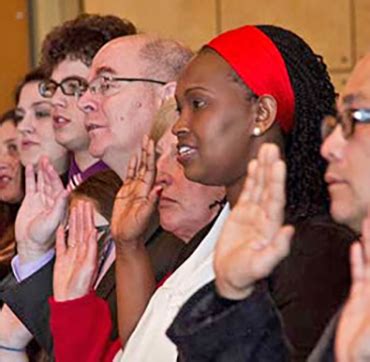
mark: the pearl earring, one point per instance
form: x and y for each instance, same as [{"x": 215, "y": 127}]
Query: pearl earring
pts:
[{"x": 257, "y": 131}]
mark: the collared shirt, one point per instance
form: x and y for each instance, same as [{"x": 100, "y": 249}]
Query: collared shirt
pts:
[
  {"x": 149, "y": 342},
  {"x": 76, "y": 176}
]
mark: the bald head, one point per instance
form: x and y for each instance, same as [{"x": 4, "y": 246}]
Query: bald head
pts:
[{"x": 357, "y": 89}]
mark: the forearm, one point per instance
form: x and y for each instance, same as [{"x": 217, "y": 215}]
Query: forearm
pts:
[
  {"x": 13, "y": 333},
  {"x": 135, "y": 285}
]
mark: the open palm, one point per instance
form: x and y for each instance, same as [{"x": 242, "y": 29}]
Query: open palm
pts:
[
  {"x": 136, "y": 200},
  {"x": 42, "y": 210},
  {"x": 253, "y": 240}
]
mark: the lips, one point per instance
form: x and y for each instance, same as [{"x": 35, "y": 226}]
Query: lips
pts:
[
  {"x": 26, "y": 144},
  {"x": 166, "y": 201},
  {"x": 60, "y": 121},
  {"x": 186, "y": 153},
  {"x": 334, "y": 181},
  {"x": 5, "y": 179},
  {"x": 91, "y": 127}
]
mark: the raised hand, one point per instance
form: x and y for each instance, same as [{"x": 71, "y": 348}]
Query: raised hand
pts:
[
  {"x": 76, "y": 261},
  {"x": 352, "y": 341},
  {"x": 136, "y": 200},
  {"x": 253, "y": 240},
  {"x": 42, "y": 209}
]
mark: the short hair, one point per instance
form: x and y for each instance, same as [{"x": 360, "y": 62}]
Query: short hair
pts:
[
  {"x": 81, "y": 38},
  {"x": 164, "y": 59},
  {"x": 102, "y": 188},
  {"x": 35, "y": 75}
]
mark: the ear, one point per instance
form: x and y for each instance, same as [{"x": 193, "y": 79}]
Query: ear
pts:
[
  {"x": 168, "y": 92},
  {"x": 266, "y": 114}
]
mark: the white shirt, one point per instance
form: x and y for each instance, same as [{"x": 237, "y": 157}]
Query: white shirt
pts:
[{"x": 149, "y": 342}]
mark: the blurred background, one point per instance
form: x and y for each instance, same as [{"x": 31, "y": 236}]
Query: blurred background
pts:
[{"x": 337, "y": 29}]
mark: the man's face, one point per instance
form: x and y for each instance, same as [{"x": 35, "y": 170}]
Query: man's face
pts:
[
  {"x": 68, "y": 119},
  {"x": 117, "y": 120},
  {"x": 348, "y": 173}
]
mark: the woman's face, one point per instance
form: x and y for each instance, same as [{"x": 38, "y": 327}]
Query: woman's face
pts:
[
  {"x": 215, "y": 124},
  {"x": 35, "y": 128},
  {"x": 184, "y": 206},
  {"x": 10, "y": 167}
]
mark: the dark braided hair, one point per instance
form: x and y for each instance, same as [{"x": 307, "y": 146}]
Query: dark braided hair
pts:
[
  {"x": 314, "y": 98},
  {"x": 81, "y": 38}
]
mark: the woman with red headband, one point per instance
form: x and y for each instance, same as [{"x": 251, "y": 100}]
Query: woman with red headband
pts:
[{"x": 246, "y": 87}]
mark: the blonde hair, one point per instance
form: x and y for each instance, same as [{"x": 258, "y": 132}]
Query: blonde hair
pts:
[{"x": 165, "y": 117}]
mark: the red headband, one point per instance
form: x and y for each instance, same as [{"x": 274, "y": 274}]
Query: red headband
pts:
[{"x": 256, "y": 59}]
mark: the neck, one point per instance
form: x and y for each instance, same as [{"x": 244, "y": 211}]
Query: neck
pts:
[
  {"x": 61, "y": 164},
  {"x": 84, "y": 160},
  {"x": 118, "y": 163},
  {"x": 233, "y": 191}
]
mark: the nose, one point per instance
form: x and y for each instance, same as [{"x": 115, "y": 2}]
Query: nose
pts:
[
  {"x": 164, "y": 177},
  {"x": 181, "y": 126},
  {"x": 333, "y": 146},
  {"x": 88, "y": 103},
  {"x": 26, "y": 124},
  {"x": 59, "y": 99}
]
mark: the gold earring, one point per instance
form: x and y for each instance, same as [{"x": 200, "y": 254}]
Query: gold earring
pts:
[{"x": 257, "y": 131}]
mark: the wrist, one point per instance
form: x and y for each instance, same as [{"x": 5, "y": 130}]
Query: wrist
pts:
[
  {"x": 228, "y": 291},
  {"x": 129, "y": 247}
]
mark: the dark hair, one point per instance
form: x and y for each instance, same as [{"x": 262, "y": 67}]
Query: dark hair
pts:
[
  {"x": 102, "y": 188},
  {"x": 8, "y": 116},
  {"x": 81, "y": 38},
  {"x": 314, "y": 98},
  {"x": 35, "y": 75}
]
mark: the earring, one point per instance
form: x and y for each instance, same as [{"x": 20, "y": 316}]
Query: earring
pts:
[{"x": 257, "y": 131}]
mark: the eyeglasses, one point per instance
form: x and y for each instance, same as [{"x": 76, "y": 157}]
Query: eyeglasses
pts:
[
  {"x": 107, "y": 85},
  {"x": 347, "y": 120},
  {"x": 71, "y": 86}
]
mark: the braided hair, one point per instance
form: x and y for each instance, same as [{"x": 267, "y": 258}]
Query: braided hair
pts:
[{"x": 314, "y": 98}]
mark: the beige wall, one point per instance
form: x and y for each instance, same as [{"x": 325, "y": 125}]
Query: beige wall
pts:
[
  {"x": 338, "y": 29},
  {"x": 14, "y": 59},
  {"x": 49, "y": 13}
]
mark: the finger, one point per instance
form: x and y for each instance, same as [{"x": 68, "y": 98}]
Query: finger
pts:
[
  {"x": 155, "y": 194},
  {"x": 53, "y": 179},
  {"x": 275, "y": 203},
  {"x": 249, "y": 183},
  {"x": 60, "y": 244},
  {"x": 357, "y": 267},
  {"x": 30, "y": 180},
  {"x": 59, "y": 208},
  {"x": 40, "y": 179},
  {"x": 89, "y": 223},
  {"x": 143, "y": 156},
  {"x": 149, "y": 176},
  {"x": 365, "y": 231},
  {"x": 72, "y": 228},
  {"x": 131, "y": 169},
  {"x": 281, "y": 243},
  {"x": 80, "y": 210}
]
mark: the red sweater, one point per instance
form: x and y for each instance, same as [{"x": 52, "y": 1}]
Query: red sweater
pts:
[{"x": 81, "y": 330}]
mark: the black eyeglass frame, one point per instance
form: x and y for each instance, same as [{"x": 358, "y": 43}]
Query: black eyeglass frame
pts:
[
  {"x": 82, "y": 84},
  {"x": 355, "y": 115}
]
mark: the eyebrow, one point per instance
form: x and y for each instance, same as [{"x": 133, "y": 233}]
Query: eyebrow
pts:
[
  {"x": 105, "y": 69},
  {"x": 197, "y": 88},
  {"x": 352, "y": 98},
  {"x": 41, "y": 103}
]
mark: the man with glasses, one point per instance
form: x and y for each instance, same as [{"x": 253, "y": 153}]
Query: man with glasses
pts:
[
  {"x": 125, "y": 92},
  {"x": 240, "y": 318}
]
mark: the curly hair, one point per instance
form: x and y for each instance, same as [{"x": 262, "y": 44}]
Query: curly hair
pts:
[
  {"x": 81, "y": 38},
  {"x": 314, "y": 98}
]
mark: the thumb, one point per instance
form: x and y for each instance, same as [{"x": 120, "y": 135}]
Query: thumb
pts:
[{"x": 282, "y": 241}]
